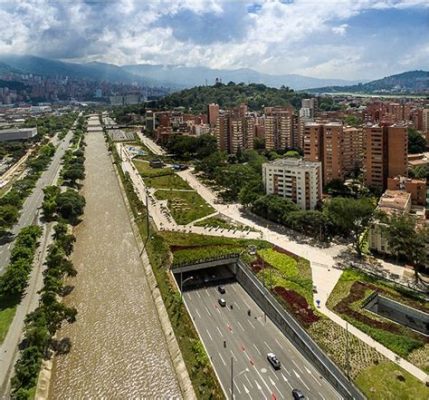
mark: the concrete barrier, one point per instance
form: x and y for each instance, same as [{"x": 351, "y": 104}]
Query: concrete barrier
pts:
[{"x": 298, "y": 336}]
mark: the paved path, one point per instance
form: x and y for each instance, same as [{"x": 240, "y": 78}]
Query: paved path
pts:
[{"x": 151, "y": 145}]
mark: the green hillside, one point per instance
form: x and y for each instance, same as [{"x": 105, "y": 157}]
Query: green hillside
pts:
[{"x": 230, "y": 95}]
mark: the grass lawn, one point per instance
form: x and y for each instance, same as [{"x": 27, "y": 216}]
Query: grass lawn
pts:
[
  {"x": 387, "y": 381},
  {"x": 172, "y": 181},
  {"x": 185, "y": 207},
  {"x": 7, "y": 312},
  {"x": 147, "y": 171},
  {"x": 347, "y": 298}
]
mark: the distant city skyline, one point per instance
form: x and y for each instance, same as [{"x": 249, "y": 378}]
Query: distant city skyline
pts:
[{"x": 348, "y": 39}]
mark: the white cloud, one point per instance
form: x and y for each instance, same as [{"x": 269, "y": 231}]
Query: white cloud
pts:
[{"x": 304, "y": 36}]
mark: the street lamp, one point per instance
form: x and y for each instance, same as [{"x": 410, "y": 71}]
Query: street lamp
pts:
[
  {"x": 182, "y": 282},
  {"x": 236, "y": 376}
]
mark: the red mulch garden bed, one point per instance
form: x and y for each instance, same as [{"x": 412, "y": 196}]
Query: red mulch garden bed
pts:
[{"x": 297, "y": 304}]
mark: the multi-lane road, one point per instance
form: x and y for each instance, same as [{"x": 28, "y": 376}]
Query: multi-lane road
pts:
[
  {"x": 231, "y": 333},
  {"x": 29, "y": 212}
]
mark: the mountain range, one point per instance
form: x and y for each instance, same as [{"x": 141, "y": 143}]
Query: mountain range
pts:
[
  {"x": 413, "y": 82},
  {"x": 178, "y": 77},
  {"x": 173, "y": 76}
]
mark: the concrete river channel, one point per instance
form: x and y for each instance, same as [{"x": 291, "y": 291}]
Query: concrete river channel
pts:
[{"x": 118, "y": 347}]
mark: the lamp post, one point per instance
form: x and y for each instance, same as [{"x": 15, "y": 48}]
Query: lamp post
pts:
[{"x": 182, "y": 282}]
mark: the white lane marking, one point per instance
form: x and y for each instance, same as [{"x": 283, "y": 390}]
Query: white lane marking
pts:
[
  {"x": 241, "y": 326},
  {"x": 253, "y": 326},
  {"x": 220, "y": 333},
  {"x": 208, "y": 312},
  {"x": 266, "y": 344},
  {"x": 299, "y": 377},
  {"x": 285, "y": 379},
  {"x": 248, "y": 380},
  {"x": 196, "y": 310},
  {"x": 272, "y": 382},
  {"x": 258, "y": 386},
  {"x": 207, "y": 292},
  {"x": 263, "y": 380},
  {"x": 278, "y": 342},
  {"x": 239, "y": 391},
  {"x": 224, "y": 363},
  {"x": 236, "y": 305},
  {"x": 297, "y": 366},
  {"x": 245, "y": 389},
  {"x": 210, "y": 336},
  {"x": 317, "y": 380},
  {"x": 254, "y": 345},
  {"x": 233, "y": 356},
  {"x": 198, "y": 294}
]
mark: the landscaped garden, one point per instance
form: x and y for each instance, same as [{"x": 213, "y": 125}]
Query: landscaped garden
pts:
[
  {"x": 222, "y": 223},
  {"x": 347, "y": 300},
  {"x": 145, "y": 170},
  {"x": 170, "y": 181},
  {"x": 289, "y": 278},
  {"x": 185, "y": 207}
]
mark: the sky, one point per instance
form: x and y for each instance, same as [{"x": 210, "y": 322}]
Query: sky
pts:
[{"x": 348, "y": 39}]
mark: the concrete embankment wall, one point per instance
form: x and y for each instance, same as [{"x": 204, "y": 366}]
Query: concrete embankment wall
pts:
[{"x": 298, "y": 336}]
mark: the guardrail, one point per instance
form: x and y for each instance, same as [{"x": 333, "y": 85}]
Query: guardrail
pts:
[
  {"x": 232, "y": 256},
  {"x": 291, "y": 328}
]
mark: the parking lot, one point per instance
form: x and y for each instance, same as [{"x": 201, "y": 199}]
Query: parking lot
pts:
[{"x": 230, "y": 335}]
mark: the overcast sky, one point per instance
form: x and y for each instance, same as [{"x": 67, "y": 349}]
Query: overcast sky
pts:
[{"x": 350, "y": 39}]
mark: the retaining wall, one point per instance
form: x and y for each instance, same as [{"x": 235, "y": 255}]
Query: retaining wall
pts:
[{"x": 298, "y": 336}]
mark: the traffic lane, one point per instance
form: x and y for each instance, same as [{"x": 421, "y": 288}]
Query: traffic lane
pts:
[
  {"x": 301, "y": 371},
  {"x": 259, "y": 343},
  {"x": 251, "y": 339},
  {"x": 254, "y": 376},
  {"x": 294, "y": 361},
  {"x": 34, "y": 201},
  {"x": 213, "y": 335}
]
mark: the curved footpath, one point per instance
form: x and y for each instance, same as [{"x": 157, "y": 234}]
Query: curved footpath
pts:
[{"x": 118, "y": 346}]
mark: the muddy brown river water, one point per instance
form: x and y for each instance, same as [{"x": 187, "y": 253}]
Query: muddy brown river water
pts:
[{"x": 118, "y": 348}]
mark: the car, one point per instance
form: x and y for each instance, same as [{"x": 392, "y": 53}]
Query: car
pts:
[
  {"x": 221, "y": 289},
  {"x": 206, "y": 279},
  {"x": 222, "y": 302},
  {"x": 273, "y": 360},
  {"x": 297, "y": 394}
]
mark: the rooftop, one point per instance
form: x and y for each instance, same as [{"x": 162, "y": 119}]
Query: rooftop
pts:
[
  {"x": 294, "y": 162},
  {"x": 394, "y": 201}
]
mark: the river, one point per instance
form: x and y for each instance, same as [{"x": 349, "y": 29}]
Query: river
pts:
[{"x": 118, "y": 347}]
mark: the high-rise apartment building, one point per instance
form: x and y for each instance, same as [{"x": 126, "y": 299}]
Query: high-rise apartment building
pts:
[
  {"x": 221, "y": 132},
  {"x": 294, "y": 179},
  {"x": 425, "y": 120},
  {"x": 325, "y": 142},
  {"x": 212, "y": 113},
  {"x": 279, "y": 128},
  {"x": 385, "y": 153},
  {"x": 352, "y": 149}
]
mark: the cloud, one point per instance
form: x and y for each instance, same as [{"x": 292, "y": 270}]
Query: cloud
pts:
[{"x": 341, "y": 38}]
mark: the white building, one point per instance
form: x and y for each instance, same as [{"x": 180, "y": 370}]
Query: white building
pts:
[
  {"x": 17, "y": 134},
  {"x": 294, "y": 179}
]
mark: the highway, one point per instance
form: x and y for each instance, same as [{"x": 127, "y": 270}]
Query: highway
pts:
[
  {"x": 248, "y": 340},
  {"x": 34, "y": 201}
]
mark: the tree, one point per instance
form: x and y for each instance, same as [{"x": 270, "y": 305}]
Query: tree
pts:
[
  {"x": 311, "y": 222},
  {"x": 407, "y": 240},
  {"x": 250, "y": 192},
  {"x": 273, "y": 208},
  {"x": 350, "y": 218},
  {"x": 8, "y": 216},
  {"x": 416, "y": 141},
  {"x": 70, "y": 205}
]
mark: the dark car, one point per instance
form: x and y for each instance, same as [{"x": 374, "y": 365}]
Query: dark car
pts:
[
  {"x": 222, "y": 302},
  {"x": 274, "y": 361},
  {"x": 297, "y": 394},
  {"x": 221, "y": 289}
]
